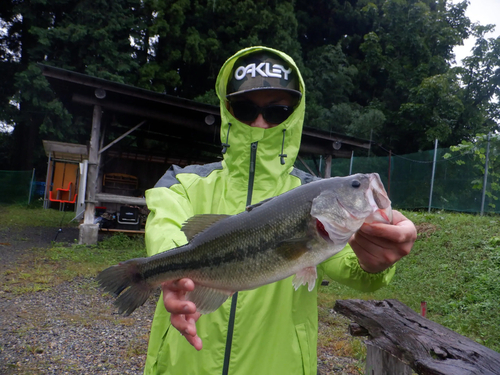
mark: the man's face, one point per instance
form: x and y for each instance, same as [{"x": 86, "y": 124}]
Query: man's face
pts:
[{"x": 276, "y": 104}]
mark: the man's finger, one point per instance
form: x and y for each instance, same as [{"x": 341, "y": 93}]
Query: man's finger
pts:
[
  {"x": 195, "y": 341},
  {"x": 175, "y": 305},
  {"x": 182, "y": 324},
  {"x": 181, "y": 285}
]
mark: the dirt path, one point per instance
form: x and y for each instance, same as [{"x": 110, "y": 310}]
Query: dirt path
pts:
[{"x": 15, "y": 241}]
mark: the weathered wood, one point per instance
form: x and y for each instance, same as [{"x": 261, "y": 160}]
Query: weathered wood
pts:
[
  {"x": 356, "y": 330},
  {"x": 328, "y": 166},
  {"x": 380, "y": 362},
  {"x": 426, "y": 346},
  {"x": 126, "y": 231},
  {"x": 123, "y": 199},
  {"x": 88, "y": 231}
]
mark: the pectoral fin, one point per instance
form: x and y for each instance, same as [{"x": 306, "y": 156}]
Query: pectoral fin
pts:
[
  {"x": 306, "y": 275},
  {"x": 207, "y": 299},
  {"x": 293, "y": 249}
]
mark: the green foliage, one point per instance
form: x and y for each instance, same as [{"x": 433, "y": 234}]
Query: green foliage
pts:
[
  {"x": 454, "y": 267},
  {"x": 477, "y": 149}
]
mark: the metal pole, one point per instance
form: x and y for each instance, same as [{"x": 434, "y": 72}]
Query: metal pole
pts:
[
  {"x": 352, "y": 159},
  {"x": 389, "y": 175},
  {"x": 48, "y": 181},
  {"x": 370, "y": 145},
  {"x": 31, "y": 186},
  {"x": 485, "y": 180},
  {"x": 433, "y": 172}
]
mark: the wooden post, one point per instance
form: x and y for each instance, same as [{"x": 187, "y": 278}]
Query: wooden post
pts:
[
  {"x": 380, "y": 362},
  {"x": 89, "y": 230},
  {"x": 328, "y": 166}
]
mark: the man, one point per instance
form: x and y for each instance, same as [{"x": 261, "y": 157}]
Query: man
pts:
[{"x": 272, "y": 329}]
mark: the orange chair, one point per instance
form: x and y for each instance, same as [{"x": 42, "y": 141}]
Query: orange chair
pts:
[{"x": 61, "y": 194}]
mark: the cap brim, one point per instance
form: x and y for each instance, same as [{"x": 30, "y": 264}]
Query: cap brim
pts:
[{"x": 294, "y": 93}]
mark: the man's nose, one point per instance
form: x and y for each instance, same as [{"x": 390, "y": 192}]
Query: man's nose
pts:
[{"x": 259, "y": 122}]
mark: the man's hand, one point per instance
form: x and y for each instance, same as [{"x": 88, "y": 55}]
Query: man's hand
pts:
[
  {"x": 378, "y": 246},
  {"x": 183, "y": 313}
]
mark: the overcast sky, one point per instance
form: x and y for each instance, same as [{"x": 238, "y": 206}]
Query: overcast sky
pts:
[{"x": 485, "y": 12}]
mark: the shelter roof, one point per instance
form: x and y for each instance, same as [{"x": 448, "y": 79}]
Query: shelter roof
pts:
[
  {"x": 68, "y": 152},
  {"x": 185, "y": 124}
]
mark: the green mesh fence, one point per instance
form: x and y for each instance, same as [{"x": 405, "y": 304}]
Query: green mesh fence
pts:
[
  {"x": 15, "y": 187},
  {"x": 408, "y": 179}
]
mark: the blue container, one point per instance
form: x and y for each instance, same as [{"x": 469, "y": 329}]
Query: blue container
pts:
[{"x": 39, "y": 188}]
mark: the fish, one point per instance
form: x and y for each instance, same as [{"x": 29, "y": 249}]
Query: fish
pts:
[{"x": 286, "y": 235}]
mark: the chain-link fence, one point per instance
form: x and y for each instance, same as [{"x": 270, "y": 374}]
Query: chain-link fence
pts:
[
  {"x": 456, "y": 182},
  {"x": 408, "y": 179},
  {"x": 18, "y": 187}
]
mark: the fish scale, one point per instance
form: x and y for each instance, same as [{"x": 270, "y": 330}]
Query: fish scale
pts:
[{"x": 288, "y": 234}]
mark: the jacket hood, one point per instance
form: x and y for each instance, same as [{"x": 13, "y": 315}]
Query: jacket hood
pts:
[{"x": 277, "y": 147}]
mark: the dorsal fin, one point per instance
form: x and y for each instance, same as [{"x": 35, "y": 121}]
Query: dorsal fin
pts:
[
  {"x": 198, "y": 223},
  {"x": 252, "y": 206}
]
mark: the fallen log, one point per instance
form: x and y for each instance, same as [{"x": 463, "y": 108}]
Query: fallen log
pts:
[{"x": 427, "y": 347}]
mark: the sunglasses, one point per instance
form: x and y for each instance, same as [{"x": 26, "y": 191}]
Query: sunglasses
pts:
[{"x": 247, "y": 111}]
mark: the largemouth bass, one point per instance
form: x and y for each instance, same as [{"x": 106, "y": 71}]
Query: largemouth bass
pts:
[{"x": 270, "y": 241}]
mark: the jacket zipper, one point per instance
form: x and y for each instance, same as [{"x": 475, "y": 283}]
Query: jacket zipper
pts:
[{"x": 234, "y": 299}]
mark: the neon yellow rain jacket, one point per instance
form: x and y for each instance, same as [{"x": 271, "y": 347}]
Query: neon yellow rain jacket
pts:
[{"x": 270, "y": 330}]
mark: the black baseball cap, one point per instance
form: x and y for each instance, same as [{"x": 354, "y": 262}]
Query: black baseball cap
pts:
[{"x": 262, "y": 70}]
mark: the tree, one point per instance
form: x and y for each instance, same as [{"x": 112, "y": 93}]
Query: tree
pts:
[
  {"x": 190, "y": 40},
  {"x": 68, "y": 35},
  {"x": 480, "y": 76},
  {"x": 477, "y": 149},
  {"x": 380, "y": 67}
]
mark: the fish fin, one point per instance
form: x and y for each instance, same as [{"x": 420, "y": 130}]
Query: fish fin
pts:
[
  {"x": 207, "y": 299},
  {"x": 127, "y": 276},
  {"x": 252, "y": 206},
  {"x": 132, "y": 298},
  {"x": 305, "y": 275},
  {"x": 198, "y": 223},
  {"x": 293, "y": 249}
]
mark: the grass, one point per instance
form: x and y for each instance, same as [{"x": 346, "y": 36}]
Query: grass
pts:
[
  {"x": 454, "y": 267},
  {"x": 41, "y": 269},
  {"x": 15, "y": 216}
]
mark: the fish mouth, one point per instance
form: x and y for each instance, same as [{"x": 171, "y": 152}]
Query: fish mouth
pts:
[{"x": 379, "y": 201}]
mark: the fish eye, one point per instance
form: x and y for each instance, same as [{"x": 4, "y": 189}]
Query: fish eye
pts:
[{"x": 356, "y": 184}]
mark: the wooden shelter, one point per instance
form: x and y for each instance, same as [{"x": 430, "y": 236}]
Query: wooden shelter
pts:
[{"x": 168, "y": 130}]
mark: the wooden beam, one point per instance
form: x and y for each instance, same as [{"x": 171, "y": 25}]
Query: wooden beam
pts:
[
  {"x": 123, "y": 199},
  {"x": 337, "y": 138},
  {"x": 121, "y": 137},
  {"x": 169, "y": 118}
]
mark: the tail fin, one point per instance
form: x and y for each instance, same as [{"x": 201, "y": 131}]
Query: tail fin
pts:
[{"x": 125, "y": 275}]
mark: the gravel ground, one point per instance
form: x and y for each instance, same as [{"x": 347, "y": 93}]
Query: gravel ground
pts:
[{"x": 73, "y": 328}]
